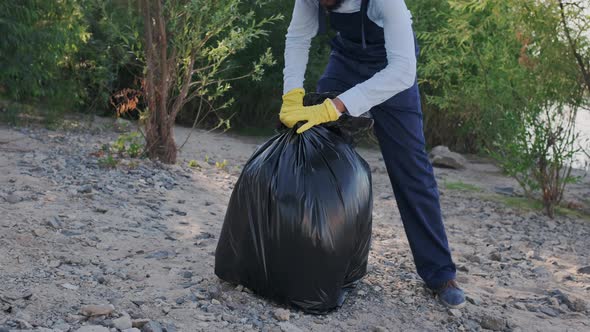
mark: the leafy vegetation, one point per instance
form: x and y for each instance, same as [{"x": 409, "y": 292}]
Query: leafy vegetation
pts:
[{"x": 502, "y": 78}]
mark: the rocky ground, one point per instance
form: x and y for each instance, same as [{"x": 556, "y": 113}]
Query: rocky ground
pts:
[{"x": 88, "y": 248}]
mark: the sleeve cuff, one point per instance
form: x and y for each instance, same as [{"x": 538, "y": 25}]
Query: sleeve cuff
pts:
[{"x": 356, "y": 103}]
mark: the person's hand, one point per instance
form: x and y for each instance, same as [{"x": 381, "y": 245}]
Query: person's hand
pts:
[
  {"x": 312, "y": 115},
  {"x": 292, "y": 100}
]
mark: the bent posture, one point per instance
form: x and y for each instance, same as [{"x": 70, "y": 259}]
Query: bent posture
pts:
[{"x": 373, "y": 68}]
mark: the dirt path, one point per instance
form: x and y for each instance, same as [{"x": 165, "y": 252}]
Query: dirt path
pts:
[{"x": 142, "y": 239}]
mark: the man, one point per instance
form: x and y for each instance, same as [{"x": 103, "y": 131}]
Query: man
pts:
[{"x": 373, "y": 67}]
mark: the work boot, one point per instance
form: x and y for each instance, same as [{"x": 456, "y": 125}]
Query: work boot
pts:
[{"x": 451, "y": 295}]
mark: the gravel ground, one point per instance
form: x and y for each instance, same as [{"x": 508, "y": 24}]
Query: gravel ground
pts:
[{"x": 87, "y": 248}]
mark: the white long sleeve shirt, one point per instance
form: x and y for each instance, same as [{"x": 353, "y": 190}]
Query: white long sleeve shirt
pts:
[{"x": 400, "y": 72}]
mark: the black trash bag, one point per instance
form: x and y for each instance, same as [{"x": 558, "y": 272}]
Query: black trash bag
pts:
[{"x": 298, "y": 225}]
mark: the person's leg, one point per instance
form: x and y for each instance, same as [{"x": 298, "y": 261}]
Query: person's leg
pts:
[{"x": 398, "y": 127}]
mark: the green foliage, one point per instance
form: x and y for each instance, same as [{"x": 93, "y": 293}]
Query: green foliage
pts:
[
  {"x": 501, "y": 77},
  {"x": 68, "y": 55},
  {"x": 109, "y": 161},
  {"x": 131, "y": 145},
  {"x": 189, "y": 46},
  {"x": 194, "y": 164},
  {"x": 258, "y": 103},
  {"x": 111, "y": 58},
  {"x": 485, "y": 64},
  {"x": 221, "y": 165},
  {"x": 39, "y": 42},
  {"x": 461, "y": 186}
]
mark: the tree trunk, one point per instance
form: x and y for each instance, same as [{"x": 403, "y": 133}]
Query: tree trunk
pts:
[{"x": 160, "y": 142}]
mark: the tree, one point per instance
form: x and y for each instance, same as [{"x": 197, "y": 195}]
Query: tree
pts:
[
  {"x": 505, "y": 77},
  {"x": 575, "y": 21},
  {"x": 187, "y": 47}
]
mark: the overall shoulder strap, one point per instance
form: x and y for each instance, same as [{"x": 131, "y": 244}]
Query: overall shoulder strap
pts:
[
  {"x": 321, "y": 19},
  {"x": 364, "y": 11}
]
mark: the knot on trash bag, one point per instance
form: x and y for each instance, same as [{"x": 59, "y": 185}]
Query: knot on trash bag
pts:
[{"x": 351, "y": 128}]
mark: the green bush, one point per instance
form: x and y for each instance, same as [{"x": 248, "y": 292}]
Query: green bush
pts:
[
  {"x": 258, "y": 103},
  {"x": 39, "y": 43},
  {"x": 67, "y": 55}
]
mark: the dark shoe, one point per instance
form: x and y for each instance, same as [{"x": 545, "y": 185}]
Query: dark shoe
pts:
[{"x": 451, "y": 295}]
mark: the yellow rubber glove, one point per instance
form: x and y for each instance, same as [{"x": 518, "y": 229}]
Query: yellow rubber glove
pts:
[
  {"x": 292, "y": 100},
  {"x": 312, "y": 115}
]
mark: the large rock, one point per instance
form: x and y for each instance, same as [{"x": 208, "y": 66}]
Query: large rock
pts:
[{"x": 441, "y": 156}]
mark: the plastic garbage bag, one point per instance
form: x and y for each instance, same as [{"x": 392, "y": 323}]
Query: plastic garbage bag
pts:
[{"x": 298, "y": 225}]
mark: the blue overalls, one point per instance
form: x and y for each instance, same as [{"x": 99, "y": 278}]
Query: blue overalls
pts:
[{"x": 358, "y": 52}]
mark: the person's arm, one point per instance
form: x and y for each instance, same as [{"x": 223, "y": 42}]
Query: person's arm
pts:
[
  {"x": 400, "y": 73},
  {"x": 303, "y": 27}
]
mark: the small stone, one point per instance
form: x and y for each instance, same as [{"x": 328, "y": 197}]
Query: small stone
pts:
[
  {"x": 542, "y": 272},
  {"x": 139, "y": 323},
  {"x": 493, "y": 323},
  {"x": 214, "y": 292},
  {"x": 13, "y": 198},
  {"x": 584, "y": 270},
  {"x": 179, "y": 212},
  {"x": 361, "y": 293},
  {"x": 123, "y": 322},
  {"x": 282, "y": 315},
  {"x": 462, "y": 268},
  {"x": 474, "y": 299},
  {"x": 60, "y": 325},
  {"x": 70, "y": 286},
  {"x": 162, "y": 254},
  {"x": 180, "y": 300},
  {"x": 152, "y": 326},
  {"x": 133, "y": 329},
  {"x": 187, "y": 274},
  {"x": 39, "y": 232},
  {"x": 169, "y": 327},
  {"x": 54, "y": 222},
  {"x": 239, "y": 288},
  {"x": 97, "y": 310},
  {"x": 93, "y": 328},
  {"x": 99, "y": 209},
  {"x": 495, "y": 256},
  {"x": 455, "y": 313},
  {"x": 408, "y": 300},
  {"x": 85, "y": 189},
  {"x": 474, "y": 259},
  {"x": 549, "y": 311},
  {"x": 288, "y": 327},
  {"x": 578, "y": 305},
  {"x": 520, "y": 306},
  {"x": 379, "y": 329},
  {"x": 215, "y": 301},
  {"x": 508, "y": 191}
]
